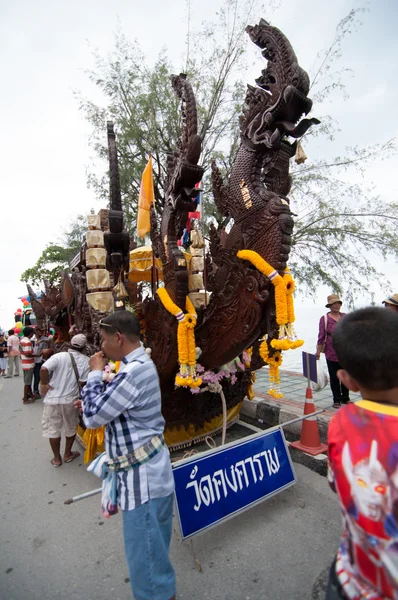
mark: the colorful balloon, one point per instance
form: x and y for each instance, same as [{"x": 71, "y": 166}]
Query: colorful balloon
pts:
[{"x": 18, "y": 325}]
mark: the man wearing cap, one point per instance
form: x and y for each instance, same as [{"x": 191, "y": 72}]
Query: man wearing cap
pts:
[
  {"x": 60, "y": 380},
  {"x": 391, "y": 302}
]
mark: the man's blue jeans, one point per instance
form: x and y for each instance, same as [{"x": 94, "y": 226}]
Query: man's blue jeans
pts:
[{"x": 147, "y": 533}]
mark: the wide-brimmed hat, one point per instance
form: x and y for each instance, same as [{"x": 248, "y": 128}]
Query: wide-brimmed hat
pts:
[
  {"x": 392, "y": 300},
  {"x": 332, "y": 299},
  {"x": 78, "y": 341}
]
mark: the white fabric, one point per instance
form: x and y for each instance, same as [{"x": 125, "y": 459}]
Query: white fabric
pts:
[{"x": 63, "y": 378}]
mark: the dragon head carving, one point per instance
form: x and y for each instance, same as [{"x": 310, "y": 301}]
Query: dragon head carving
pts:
[{"x": 274, "y": 108}]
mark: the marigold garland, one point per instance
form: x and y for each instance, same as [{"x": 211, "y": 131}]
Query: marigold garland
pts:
[
  {"x": 187, "y": 376},
  {"x": 263, "y": 351},
  {"x": 284, "y": 288},
  {"x": 277, "y": 281}
]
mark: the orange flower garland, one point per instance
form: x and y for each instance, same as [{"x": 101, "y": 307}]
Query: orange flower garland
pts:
[
  {"x": 284, "y": 305},
  {"x": 187, "y": 376}
]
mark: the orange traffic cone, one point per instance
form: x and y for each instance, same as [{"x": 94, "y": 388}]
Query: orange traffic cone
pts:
[{"x": 310, "y": 441}]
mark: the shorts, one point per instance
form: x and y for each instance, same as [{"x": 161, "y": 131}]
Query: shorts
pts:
[
  {"x": 27, "y": 376},
  {"x": 58, "y": 417},
  {"x": 147, "y": 533}
]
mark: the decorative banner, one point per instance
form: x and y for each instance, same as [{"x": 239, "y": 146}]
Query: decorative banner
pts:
[
  {"x": 145, "y": 199},
  {"x": 222, "y": 483}
]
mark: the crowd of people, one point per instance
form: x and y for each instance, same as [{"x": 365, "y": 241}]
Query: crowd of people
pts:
[{"x": 360, "y": 349}]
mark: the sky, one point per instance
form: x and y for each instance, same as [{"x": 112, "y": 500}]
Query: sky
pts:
[{"x": 46, "y": 49}]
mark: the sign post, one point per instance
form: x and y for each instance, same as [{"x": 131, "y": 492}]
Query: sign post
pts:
[{"x": 221, "y": 483}]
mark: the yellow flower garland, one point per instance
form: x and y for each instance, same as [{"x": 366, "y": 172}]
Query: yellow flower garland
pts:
[
  {"x": 277, "y": 281},
  {"x": 284, "y": 288},
  {"x": 285, "y": 317},
  {"x": 187, "y": 376}
]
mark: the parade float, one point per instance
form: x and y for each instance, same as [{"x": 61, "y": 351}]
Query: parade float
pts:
[{"x": 213, "y": 310}]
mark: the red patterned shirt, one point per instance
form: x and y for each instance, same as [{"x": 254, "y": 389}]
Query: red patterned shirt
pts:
[
  {"x": 27, "y": 359},
  {"x": 363, "y": 470}
]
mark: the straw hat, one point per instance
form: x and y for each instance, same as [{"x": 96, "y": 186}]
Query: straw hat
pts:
[
  {"x": 332, "y": 299},
  {"x": 392, "y": 300}
]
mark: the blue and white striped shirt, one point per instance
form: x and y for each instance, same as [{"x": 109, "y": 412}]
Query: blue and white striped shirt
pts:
[{"x": 131, "y": 410}]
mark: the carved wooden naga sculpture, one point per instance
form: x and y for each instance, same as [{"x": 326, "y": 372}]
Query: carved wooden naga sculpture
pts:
[
  {"x": 256, "y": 198},
  {"x": 242, "y": 307}
]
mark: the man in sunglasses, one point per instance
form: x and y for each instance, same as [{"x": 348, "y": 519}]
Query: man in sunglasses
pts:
[{"x": 130, "y": 407}]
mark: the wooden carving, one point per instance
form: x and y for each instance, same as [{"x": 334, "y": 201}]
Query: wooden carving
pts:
[{"x": 241, "y": 309}]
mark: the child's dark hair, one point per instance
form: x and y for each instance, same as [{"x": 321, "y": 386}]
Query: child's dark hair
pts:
[{"x": 366, "y": 344}]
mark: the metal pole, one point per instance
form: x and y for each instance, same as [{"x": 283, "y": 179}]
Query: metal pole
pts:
[{"x": 83, "y": 496}]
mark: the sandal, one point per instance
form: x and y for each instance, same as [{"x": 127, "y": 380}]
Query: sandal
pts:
[
  {"x": 55, "y": 465},
  {"x": 72, "y": 457}
]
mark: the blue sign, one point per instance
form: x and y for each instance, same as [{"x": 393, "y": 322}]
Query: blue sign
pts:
[
  {"x": 221, "y": 483},
  {"x": 309, "y": 365}
]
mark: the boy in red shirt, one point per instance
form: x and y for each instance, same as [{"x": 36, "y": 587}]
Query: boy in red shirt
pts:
[{"x": 363, "y": 457}]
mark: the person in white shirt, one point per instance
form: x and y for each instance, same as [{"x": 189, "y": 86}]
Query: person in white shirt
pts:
[
  {"x": 14, "y": 359},
  {"x": 60, "y": 380}
]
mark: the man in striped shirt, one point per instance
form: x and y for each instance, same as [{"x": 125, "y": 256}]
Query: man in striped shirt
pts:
[
  {"x": 28, "y": 364},
  {"x": 130, "y": 407}
]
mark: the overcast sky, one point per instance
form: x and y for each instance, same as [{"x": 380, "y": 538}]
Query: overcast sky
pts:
[{"x": 47, "y": 46}]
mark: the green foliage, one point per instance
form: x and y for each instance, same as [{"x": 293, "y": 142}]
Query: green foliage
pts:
[
  {"x": 56, "y": 257},
  {"x": 141, "y": 102},
  {"x": 340, "y": 226}
]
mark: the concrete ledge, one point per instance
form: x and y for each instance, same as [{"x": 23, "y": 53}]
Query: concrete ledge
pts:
[
  {"x": 269, "y": 412},
  {"x": 319, "y": 463}
]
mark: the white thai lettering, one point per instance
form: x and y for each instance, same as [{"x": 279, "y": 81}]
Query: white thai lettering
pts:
[
  {"x": 198, "y": 498},
  {"x": 213, "y": 487},
  {"x": 242, "y": 471},
  {"x": 234, "y": 485},
  {"x": 220, "y": 482}
]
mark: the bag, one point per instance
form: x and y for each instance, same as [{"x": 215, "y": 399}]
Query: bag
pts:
[
  {"x": 74, "y": 365},
  {"x": 326, "y": 333},
  {"x": 322, "y": 376}
]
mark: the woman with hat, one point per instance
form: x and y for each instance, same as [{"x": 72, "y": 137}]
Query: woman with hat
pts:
[
  {"x": 391, "y": 302},
  {"x": 327, "y": 323}
]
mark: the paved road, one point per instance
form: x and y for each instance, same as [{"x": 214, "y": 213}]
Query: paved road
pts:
[{"x": 52, "y": 551}]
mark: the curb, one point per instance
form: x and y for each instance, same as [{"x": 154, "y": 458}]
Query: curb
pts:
[{"x": 266, "y": 413}]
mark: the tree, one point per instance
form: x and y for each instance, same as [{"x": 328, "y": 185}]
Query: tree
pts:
[
  {"x": 339, "y": 224},
  {"x": 141, "y": 102},
  {"x": 56, "y": 257}
]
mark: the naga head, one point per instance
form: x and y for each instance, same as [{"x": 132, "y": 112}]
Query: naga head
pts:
[{"x": 274, "y": 108}]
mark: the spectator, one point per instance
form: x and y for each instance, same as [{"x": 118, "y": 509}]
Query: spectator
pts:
[
  {"x": 363, "y": 457},
  {"x": 13, "y": 354},
  {"x": 130, "y": 407},
  {"x": 28, "y": 363},
  {"x": 3, "y": 353},
  {"x": 60, "y": 380},
  {"x": 42, "y": 343},
  {"x": 391, "y": 303},
  {"x": 327, "y": 323}
]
